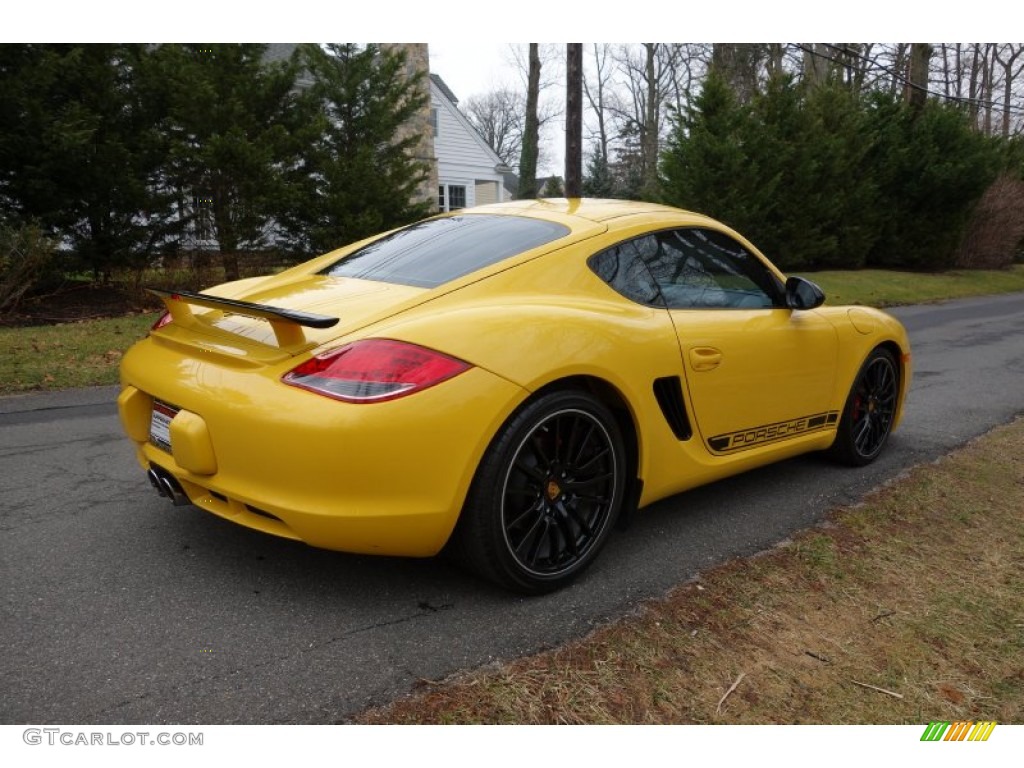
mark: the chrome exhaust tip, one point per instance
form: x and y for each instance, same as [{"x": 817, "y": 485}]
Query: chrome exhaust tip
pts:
[
  {"x": 168, "y": 486},
  {"x": 154, "y": 480}
]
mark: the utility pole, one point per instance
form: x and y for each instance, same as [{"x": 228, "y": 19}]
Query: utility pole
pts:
[{"x": 574, "y": 120}]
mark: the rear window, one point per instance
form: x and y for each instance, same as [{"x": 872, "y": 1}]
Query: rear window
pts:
[{"x": 433, "y": 252}]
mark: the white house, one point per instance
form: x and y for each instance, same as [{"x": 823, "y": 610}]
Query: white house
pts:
[{"x": 468, "y": 171}]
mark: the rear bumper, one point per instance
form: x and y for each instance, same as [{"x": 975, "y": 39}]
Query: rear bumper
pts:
[{"x": 383, "y": 478}]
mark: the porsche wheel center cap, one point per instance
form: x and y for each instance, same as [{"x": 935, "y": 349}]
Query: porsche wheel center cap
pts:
[{"x": 553, "y": 490}]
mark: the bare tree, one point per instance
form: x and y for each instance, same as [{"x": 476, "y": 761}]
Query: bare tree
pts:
[
  {"x": 975, "y": 80},
  {"x": 649, "y": 75},
  {"x": 597, "y": 90},
  {"x": 949, "y": 56},
  {"x": 988, "y": 86},
  {"x": 499, "y": 117},
  {"x": 987, "y": 78},
  {"x": 550, "y": 91},
  {"x": 855, "y": 64},
  {"x": 898, "y": 68},
  {"x": 815, "y": 63},
  {"x": 1007, "y": 55}
]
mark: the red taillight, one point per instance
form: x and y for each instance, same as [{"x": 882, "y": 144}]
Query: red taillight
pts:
[
  {"x": 161, "y": 321},
  {"x": 374, "y": 370}
]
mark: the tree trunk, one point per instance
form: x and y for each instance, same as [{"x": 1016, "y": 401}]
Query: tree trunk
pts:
[
  {"x": 916, "y": 92},
  {"x": 988, "y": 76},
  {"x": 574, "y": 120},
  {"x": 973, "y": 90},
  {"x": 650, "y": 136},
  {"x": 737, "y": 63},
  {"x": 947, "y": 80},
  {"x": 531, "y": 130},
  {"x": 227, "y": 236},
  {"x": 815, "y": 64},
  {"x": 775, "y": 54},
  {"x": 899, "y": 63}
]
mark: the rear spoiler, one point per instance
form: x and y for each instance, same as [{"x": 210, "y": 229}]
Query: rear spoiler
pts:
[{"x": 285, "y": 322}]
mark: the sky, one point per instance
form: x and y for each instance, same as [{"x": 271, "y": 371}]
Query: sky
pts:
[{"x": 472, "y": 68}]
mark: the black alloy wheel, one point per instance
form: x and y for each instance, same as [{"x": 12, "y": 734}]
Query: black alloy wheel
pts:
[
  {"x": 869, "y": 412},
  {"x": 547, "y": 493}
]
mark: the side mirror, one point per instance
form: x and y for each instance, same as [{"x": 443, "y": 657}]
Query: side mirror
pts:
[{"x": 803, "y": 294}]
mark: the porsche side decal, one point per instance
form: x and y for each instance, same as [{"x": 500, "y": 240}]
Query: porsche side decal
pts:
[{"x": 769, "y": 433}]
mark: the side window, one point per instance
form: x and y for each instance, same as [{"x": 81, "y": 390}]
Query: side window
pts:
[
  {"x": 622, "y": 267},
  {"x": 702, "y": 268}
]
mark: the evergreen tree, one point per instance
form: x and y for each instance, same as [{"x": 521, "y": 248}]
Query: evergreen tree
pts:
[
  {"x": 794, "y": 170},
  {"x": 553, "y": 187},
  {"x": 81, "y": 149},
  {"x": 356, "y": 179},
  {"x": 628, "y": 167},
  {"x": 235, "y": 129},
  {"x": 931, "y": 169},
  {"x": 704, "y": 167},
  {"x": 597, "y": 179},
  {"x": 805, "y": 148}
]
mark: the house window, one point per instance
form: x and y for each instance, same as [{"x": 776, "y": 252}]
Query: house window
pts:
[
  {"x": 451, "y": 197},
  {"x": 433, "y": 120},
  {"x": 456, "y": 197}
]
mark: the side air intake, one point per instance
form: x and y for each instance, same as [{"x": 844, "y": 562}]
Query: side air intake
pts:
[{"x": 669, "y": 393}]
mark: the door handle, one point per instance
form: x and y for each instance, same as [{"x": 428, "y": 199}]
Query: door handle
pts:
[{"x": 705, "y": 358}]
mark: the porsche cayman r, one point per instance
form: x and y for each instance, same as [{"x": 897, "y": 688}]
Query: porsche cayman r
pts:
[{"x": 506, "y": 381}]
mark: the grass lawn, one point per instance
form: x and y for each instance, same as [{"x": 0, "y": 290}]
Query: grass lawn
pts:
[
  {"x": 881, "y": 288},
  {"x": 80, "y": 354}
]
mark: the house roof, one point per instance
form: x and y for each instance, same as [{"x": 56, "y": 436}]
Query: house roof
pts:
[{"x": 443, "y": 86}]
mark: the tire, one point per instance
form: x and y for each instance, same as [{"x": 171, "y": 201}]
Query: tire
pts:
[
  {"x": 546, "y": 494},
  {"x": 869, "y": 411}
]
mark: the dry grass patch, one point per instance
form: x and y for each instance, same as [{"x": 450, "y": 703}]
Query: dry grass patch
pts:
[{"x": 905, "y": 609}]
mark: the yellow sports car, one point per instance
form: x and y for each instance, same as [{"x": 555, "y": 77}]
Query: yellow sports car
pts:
[{"x": 507, "y": 381}]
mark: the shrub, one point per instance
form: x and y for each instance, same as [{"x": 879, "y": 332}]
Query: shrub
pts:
[
  {"x": 995, "y": 231},
  {"x": 26, "y": 258},
  {"x": 824, "y": 179}
]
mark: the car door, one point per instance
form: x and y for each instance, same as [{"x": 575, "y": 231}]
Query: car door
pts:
[{"x": 757, "y": 372}]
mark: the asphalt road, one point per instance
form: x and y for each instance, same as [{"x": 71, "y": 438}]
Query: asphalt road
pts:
[{"x": 116, "y": 607}]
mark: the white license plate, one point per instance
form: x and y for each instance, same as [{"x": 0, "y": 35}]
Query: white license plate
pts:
[{"x": 160, "y": 425}]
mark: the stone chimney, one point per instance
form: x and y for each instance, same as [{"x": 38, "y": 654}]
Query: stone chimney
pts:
[{"x": 417, "y": 59}]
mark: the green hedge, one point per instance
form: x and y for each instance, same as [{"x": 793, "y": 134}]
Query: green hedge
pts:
[{"x": 824, "y": 179}]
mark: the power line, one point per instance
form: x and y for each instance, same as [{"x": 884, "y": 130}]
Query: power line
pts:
[
  {"x": 901, "y": 79},
  {"x": 897, "y": 76}
]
